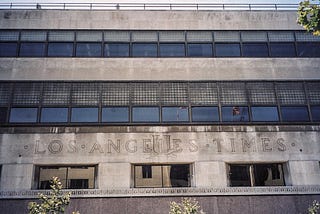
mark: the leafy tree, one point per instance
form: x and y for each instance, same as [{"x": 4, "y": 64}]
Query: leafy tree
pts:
[
  {"x": 187, "y": 206},
  {"x": 313, "y": 209},
  {"x": 54, "y": 203},
  {"x": 309, "y": 16}
]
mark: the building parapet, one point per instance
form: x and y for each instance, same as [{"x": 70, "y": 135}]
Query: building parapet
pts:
[{"x": 153, "y": 192}]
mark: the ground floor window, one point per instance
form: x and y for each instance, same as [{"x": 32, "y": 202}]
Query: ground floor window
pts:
[
  {"x": 71, "y": 177},
  {"x": 174, "y": 175},
  {"x": 256, "y": 174}
]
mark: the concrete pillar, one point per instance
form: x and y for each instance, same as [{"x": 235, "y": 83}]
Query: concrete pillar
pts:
[
  {"x": 210, "y": 174},
  {"x": 304, "y": 172},
  {"x": 114, "y": 175},
  {"x": 16, "y": 176}
]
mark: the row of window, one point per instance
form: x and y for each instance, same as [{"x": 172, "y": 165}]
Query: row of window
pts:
[
  {"x": 161, "y": 176},
  {"x": 153, "y": 114},
  {"x": 94, "y": 49}
]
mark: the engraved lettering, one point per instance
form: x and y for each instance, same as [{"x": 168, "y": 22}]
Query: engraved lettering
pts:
[
  {"x": 55, "y": 146},
  {"x": 218, "y": 142},
  {"x": 37, "y": 148},
  {"x": 248, "y": 144},
  {"x": 193, "y": 146},
  {"x": 116, "y": 147},
  {"x": 233, "y": 149},
  {"x": 281, "y": 145},
  {"x": 131, "y": 146},
  {"x": 147, "y": 146},
  {"x": 95, "y": 147},
  {"x": 72, "y": 148},
  {"x": 265, "y": 145}
]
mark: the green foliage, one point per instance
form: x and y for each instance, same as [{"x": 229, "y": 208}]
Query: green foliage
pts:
[
  {"x": 54, "y": 203},
  {"x": 309, "y": 16},
  {"x": 313, "y": 209},
  {"x": 187, "y": 206}
]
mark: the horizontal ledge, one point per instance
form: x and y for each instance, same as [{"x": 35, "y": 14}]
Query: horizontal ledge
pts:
[{"x": 156, "y": 192}]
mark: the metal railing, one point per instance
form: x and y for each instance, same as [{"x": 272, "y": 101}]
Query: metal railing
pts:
[{"x": 145, "y": 6}]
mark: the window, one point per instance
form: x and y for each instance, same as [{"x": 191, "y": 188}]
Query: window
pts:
[
  {"x": 308, "y": 49},
  {"x": 23, "y": 115},
  {"x": 200, "y": 50},
  {"x": 116, "y": 49},
  {"x": 205, "y": 114},
  {"x": 264, "y": 113},
  {"x": 88, "y": 49},
  {"x": 256, "y": 174},
  {"x": 294, "y": 113},
  {"x": 84, "y": 115},
  {"x": 175, "y": 114},
  {"x": 60, "y": 49},
  {"x": 282, "y": 49},
  {"x": 175, "y": 175},
  {"x": 235, "y": 114},
  {"x": 144, "y": 49},
  {"x": 145, "y": 114},
  {"x": 71, "y": 177},
  {"x": 3, "y": 114},
  {"x": 315, "y": 112},
  {"x": 227, "y": 49},
  {"x": 115, "y": 114},
  {"x": 32, "y": 49},
  {"x": 254, "y": 49},
  {"x": 172, "y": 50},
  {"x": 8, "y": 49},
  {"x": 54, "y": 115}
]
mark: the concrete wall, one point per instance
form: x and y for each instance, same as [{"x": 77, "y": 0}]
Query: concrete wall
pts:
[
  {"x": 159, "y": 68},
  {"x": 161, "y": 20}
]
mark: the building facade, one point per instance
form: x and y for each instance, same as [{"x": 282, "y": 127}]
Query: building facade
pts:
[{"x": 135, "y": 108}]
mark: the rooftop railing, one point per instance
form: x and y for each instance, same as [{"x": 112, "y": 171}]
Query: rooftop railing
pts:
[{"x": 145, "y": 6}]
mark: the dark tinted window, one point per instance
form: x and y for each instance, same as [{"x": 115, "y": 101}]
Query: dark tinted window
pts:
[
  {"x": 269, "y": 113},
  {"x": 60, "y": 49},
  {"x": 32, "y": 49},
  {"x": 8, "y": 49},
  {"x": 3, "y": 115},
  {"x": 204, "y": 50},
  {"x": 205, "y": 114},
  {"x": 226, "y": 49},
  {"x": 144, "y": 49},
  {"x": 145, "y": 114},
  {"x": 84, "y": 115},
  {"x": 54, "y": 115},
  {"x": 116, "y": 49},
  {"x": 115, "y": 114},
  {"x": 294, "y": 113},
  {"x": 175, "y": 114},
  {"x": 235, "y": 114},
  {"x": 315, "y": 111},
  {"x": 254, "y": 49},
  {"x": 239, "y": 175},
  {"x": 282, "y": 49},
  {"x": 172, "y": 50},
  {"x": 23, "y": 115},
  {"x": 311, "y": 49},
  {"x": 88, "y": 49}
]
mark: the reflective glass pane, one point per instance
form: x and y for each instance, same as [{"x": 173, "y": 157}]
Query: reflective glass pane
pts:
[
  {"x": 315, "y": 111},
  {"x": 145, "y": 114},
  {"x": 179, "y": 175},
  {"x": 84, "y": 115},
  {"x": 172, "y": 50},
  {"x": 54, "y": 115},
  {"x": 205, "y": 114},
  {"x": 175, "y": 114},
  {"x": 269, "y": 113},
  {"x": 254, "y": 49},
  {"x": 201, "y": 50},
  {"x": 227, "y": 49},
  {"x": 115, "y": 114},
  {"x": 294, "y": 113},
  {"x": 116, "y": 49},
  {"x": 239, "y": 175},
  {"x": 8, "y": 49},
  {"x": 282, "y": 49},
  {"x": 88, "y": 49},
  {"x": 32, "y": 49},
  {"x": 60, "y": 49},
  {"x": 3, "y": 115},
  {"x": 144, "y": 49},
  {"x": 311, "y": 49},
  {"x": 23, "y": 115},
  {"x": 235, "y": 114}
]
